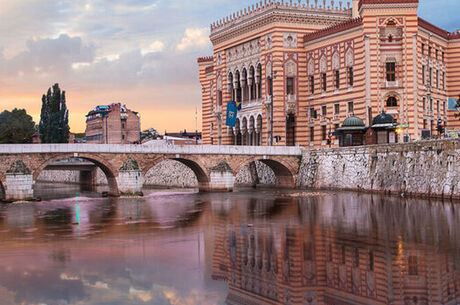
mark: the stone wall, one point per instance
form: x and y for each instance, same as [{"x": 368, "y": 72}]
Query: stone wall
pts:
[{"x": 429, "y": 168}]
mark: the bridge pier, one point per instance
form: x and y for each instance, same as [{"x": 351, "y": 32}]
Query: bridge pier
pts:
[
  {"x": 221, "y": 178},
  {"x": 19, "y": 183},
  {"x": 130, "y": 180}
]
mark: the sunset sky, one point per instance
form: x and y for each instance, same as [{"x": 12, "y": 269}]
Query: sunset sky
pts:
[{"x": 141, "y": 53}]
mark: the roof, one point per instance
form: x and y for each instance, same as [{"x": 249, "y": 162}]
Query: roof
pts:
[
  {"x": 437, "y": 30},
  {"x": 383, "y": 120},
  {"x": 349, "y": 24}
]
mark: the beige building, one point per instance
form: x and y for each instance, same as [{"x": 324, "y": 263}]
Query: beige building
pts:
[
  {"x": 112, "y": 124},
  {"x": 300, "y": 68}
]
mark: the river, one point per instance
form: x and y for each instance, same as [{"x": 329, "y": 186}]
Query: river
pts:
[{"x": 252, "y": 246}]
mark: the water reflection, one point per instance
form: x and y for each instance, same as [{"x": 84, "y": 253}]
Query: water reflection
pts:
[
  {"x": 248, "y": 247},
  {"x": 341, "y": 249}
]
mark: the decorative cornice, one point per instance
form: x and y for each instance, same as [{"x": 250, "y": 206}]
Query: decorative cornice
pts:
[
  {"x": 277, "y": 13},
  {"x": 205, "y": 59},
  {"x": 265, "y": 5},
  {"x": 436, "y": 30},
  {"x": 334, "y": 29},
  {"x": 362, "y": 2}
]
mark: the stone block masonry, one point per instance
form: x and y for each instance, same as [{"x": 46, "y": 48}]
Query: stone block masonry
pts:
[
  {"x": 19, "y": 186},
  {"x": 428, "y": 169}
]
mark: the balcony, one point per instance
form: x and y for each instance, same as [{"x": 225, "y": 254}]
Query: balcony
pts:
[{"x": 291, "y": 104}]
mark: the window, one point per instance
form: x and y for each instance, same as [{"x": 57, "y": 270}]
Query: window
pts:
[
  {"x": 312, "y": 84},
  {"x": 423, "y": 74},
  {"x": 350, "y": 107},
  {"x": 312, "y": 113},
  {"x": 392, "y": 102},
  {"x": 444, "y": 108},
  {"x": 219, "y": 98},
  {"x": 290, "y": 86},
  {"x": 444, "y": 80},
  {"x": 437, "y": 79},
  {"x": 269, "y": 85},
  {"x": 371, "y": 260},
  {"x": 312, "y": 134},
  {"x": 436, "y": 53},
  {"x": 443, "y": 56},
  {"x": 350, "y": 77},
  {"x": 122, "y": 136},
  {"x": 413, "y": 266},
  {"x": 337, "y": 79},
  {"x": 324, "y": 78},
  {"x": 336, "y": 109},
  {"x": 423, "y": 48},
  {"x": 438, "y": 108},
  {"x": 356, "y": 257},
  {"x": 122, "y": 125},
  {"x": 390, "y": 38},
  {"x": 431, "y": 105},
  {"x": 429, "y": 51},
  {"x": 324, "y": 132},
  {"x": 391, "y": 71},
  {"x": 424, "y": 105},
  {"x": 430, "y": 73},
  {"x": 336, "y": 126},
  {"x": 324, "y": 111}
]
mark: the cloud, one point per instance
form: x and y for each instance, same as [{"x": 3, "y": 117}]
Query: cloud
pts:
[
  {"x": 194, "y": 38},
  {"x": 156, "y": 46}
]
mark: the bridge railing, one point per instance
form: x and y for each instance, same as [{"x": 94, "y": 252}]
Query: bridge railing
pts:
[{"x": 149, "y": 149}]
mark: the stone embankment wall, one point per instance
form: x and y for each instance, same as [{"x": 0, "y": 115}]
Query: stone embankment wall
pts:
[{"x": 428, "y": 168}]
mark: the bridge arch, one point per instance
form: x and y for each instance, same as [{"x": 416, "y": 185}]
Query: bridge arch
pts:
[
  {"x": 285, "y": 173},
  {"x": 110, "y": 172},
  {"x": 197, "y": 168}
]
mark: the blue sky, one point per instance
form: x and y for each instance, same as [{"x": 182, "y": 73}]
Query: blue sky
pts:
[{"x": 139, "y": 52}]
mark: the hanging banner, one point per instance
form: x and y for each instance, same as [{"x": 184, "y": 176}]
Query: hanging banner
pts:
[
  {"x": 452, "y": 105},
  {"x": 232, "y": 112}
]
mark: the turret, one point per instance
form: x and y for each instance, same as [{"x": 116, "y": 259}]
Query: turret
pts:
[{"x": 355, "y": 9}]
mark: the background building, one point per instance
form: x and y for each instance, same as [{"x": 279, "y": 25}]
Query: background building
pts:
[
  {"x": 301, "y": 68},
  {"x": 112, "y": 124}
]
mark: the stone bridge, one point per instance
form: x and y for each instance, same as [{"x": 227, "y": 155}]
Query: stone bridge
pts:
[{"x": 125, "y": 165}]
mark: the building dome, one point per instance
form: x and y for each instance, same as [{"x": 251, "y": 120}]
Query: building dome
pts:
[
  {"x": 382, "y": 119},
  {"x": 353, "y": 122}
]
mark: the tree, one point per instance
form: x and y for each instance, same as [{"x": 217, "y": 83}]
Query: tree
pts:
[
  {"x": 16, "y": 127},
  {"x": 54, "y": 118}
]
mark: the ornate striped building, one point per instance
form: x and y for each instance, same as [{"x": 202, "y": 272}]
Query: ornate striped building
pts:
[{"x": 301, "y": 68}]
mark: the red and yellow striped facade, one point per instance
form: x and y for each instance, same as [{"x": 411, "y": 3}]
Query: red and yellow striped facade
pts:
[
  {"x": 312, "y": 254},
  {"x": 335, "y": 62}
]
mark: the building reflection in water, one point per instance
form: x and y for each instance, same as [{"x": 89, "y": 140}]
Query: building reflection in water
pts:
[{"x": 339, "y": 250}]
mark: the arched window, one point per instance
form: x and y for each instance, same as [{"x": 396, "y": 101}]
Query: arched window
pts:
[
  {"x": 252, "y": 83},
  {"x": 390, "y": 38},
  {"x": 259, "y": 81},
  {"x": 392, "y": 101}
]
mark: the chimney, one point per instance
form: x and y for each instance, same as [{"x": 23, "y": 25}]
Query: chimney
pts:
[{"x": 354, "y": 9}]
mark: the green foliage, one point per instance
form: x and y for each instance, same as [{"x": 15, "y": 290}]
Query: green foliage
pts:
[
  {"x": 54, "y": 118},
  {"x": 16, "y": 127}
]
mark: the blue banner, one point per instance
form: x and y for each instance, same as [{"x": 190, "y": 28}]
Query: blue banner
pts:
[
  {"x": 453, "y": 104},
  {"x": 232, "y": 112}
]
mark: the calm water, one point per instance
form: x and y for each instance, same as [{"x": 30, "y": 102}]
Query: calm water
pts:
[{"x": 248, "y": 247}]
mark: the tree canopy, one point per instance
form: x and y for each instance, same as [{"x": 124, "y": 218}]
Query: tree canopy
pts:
[
  {"x": 54, "y": 118},
  {"x": 16, "y": 127}
]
